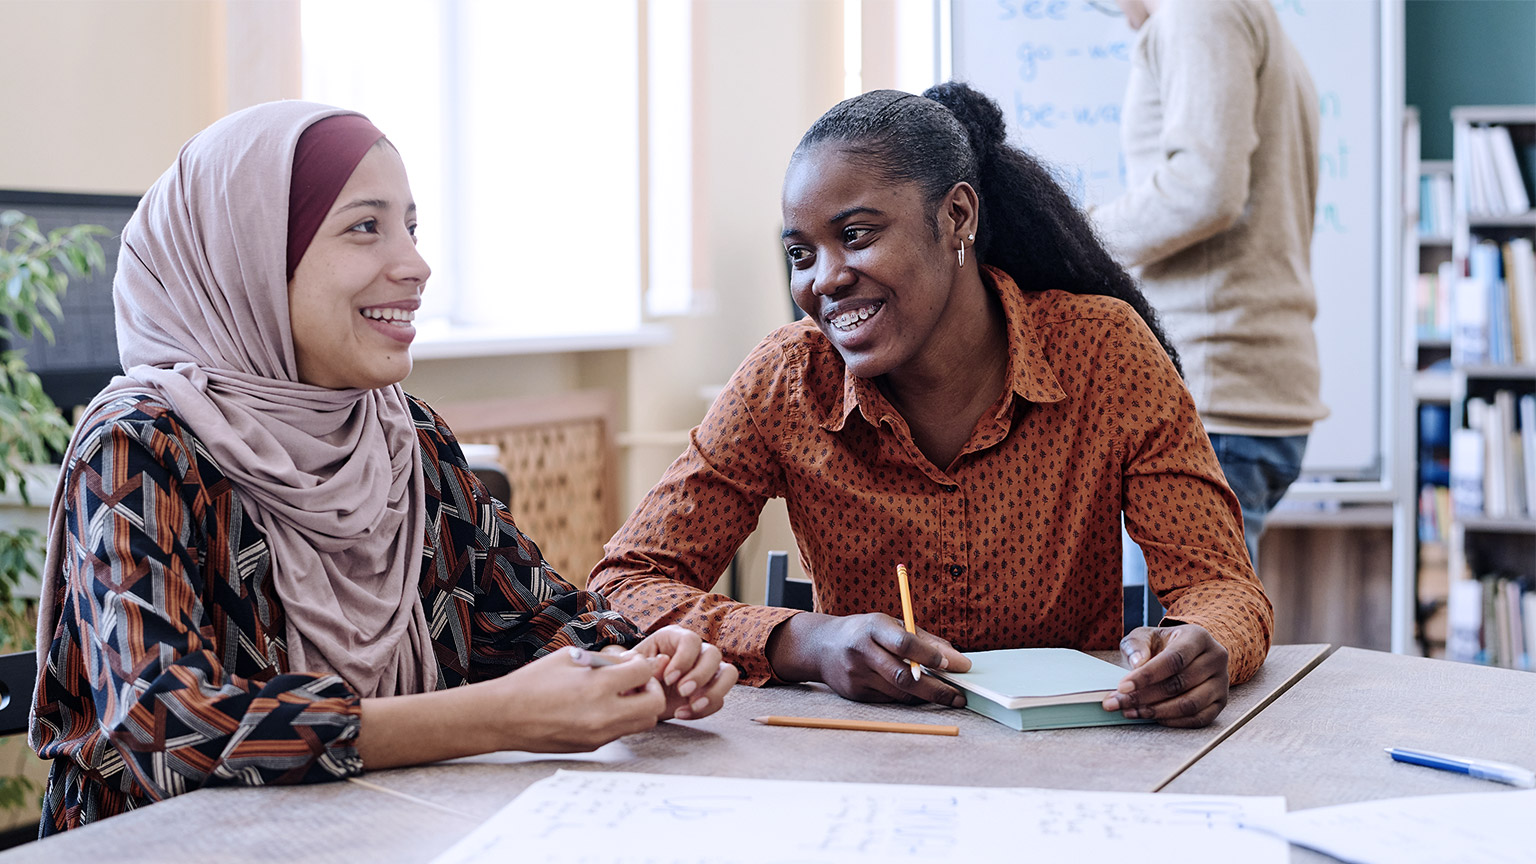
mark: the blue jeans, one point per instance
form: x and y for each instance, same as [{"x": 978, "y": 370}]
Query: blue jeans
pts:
[{"x": 1259, "y": 469}]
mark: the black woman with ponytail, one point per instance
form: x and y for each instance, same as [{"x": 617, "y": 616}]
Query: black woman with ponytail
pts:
[{"x": 978, "y": 392}]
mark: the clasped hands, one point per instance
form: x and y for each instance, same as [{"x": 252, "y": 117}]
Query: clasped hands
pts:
[{"x": 1178, "y": 674}]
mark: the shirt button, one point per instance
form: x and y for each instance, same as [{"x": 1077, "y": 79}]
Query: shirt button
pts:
[
  {"x": 951, "y": 488},
  {"x": 956, "y": 570}
]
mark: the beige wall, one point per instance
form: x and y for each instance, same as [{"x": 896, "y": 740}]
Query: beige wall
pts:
[
  {"x": 111, "y": 88},
  {"x": 149, "y": 73}
]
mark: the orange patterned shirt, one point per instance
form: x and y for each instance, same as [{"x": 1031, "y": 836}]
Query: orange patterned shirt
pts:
[{"x": 1015, "y": 544}]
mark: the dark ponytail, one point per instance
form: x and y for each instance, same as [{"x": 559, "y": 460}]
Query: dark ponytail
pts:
[{"x": 1028, "y": 226}]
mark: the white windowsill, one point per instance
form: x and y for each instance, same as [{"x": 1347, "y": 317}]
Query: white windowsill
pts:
[{"x": 442, "y": 343}]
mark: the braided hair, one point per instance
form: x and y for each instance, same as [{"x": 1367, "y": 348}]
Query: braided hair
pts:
[{"x": 1027, "y": 227}]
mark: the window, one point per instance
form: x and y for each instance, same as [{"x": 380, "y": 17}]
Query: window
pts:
[{"x": 520, "y": 126}]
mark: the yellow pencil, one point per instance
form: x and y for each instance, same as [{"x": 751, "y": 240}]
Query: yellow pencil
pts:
[
  {"x": 859, "y": 725},
  {"x": 906, "y": 615}
]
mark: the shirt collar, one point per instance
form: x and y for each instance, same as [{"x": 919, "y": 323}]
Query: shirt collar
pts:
[{"x": 1029, "y": 376}]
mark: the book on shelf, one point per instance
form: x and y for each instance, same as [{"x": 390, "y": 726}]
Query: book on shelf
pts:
[
  {"x": 1493, "y": 460},
  {"x": 1520, "y": 274},
  {"x": 1435, "y": 198},
  {"x": 1507, "y": 169},
  {"x": 1494, "y": 307},
  {"x": 1432, "y": 304},
  {"x": 1492, "y": 620},
  {"x": 1464, "y": 621},
  {"x": 1527, "y": 410},
  {"x": 1528, "y": 615},
  {"x": 1485, "y": 157},
  {"x": 1039, "y": 688},
  {"x": 1469, "y": 322},
  {"x": 1467, "y": 471}
]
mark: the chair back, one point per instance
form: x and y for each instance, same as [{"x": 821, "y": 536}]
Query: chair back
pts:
[
  {"x": 784, "y": 591},
  {"x": 18, "y": 678}
]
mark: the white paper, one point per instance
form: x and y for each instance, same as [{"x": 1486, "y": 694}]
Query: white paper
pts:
[
  {"x": 596, "y": 817},
  {"x": 1481, "y": 828}
]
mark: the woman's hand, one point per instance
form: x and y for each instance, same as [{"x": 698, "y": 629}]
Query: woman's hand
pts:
[
  {"x": 558, "y": 704},
  {"x": 865, "y": 658},
  {"x": 1178, "y": 676},
  {"x": 693, "y": 673}
]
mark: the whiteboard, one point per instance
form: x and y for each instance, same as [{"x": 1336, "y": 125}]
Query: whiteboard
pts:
[{"x": 1058, "y": 69}]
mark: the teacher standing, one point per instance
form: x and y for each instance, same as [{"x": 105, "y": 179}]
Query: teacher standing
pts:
[{"x": 1220, "y": 133}]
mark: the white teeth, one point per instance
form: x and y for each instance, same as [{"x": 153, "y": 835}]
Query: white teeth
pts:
[
  {"x": 392, "y": 315},
  {"x": 850, "y": 320}
]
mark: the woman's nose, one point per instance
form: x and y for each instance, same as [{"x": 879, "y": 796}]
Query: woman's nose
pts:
[
  {"x": 409, "y": 266},
  {"x": 832, "y": 275}
]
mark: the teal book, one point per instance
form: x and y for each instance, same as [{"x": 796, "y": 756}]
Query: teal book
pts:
[{"x": 1040, "y": 688}]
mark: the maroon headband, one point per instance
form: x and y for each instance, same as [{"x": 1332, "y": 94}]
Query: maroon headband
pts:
[{"x": 323, "y": 162}]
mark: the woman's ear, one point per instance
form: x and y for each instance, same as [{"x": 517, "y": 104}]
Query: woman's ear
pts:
[{"x": 959, "y": 214}]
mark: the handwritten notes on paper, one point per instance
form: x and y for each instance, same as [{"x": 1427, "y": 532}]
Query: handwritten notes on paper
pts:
[
  {"x": 1486, "y": 828},
  {"x": 599, "y": 817}
]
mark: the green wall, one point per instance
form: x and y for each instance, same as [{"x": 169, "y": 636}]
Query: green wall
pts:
[{"x": 1467, "y": 52}]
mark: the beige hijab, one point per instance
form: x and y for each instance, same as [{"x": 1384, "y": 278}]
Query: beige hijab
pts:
[{"x": 333, "y": 478}]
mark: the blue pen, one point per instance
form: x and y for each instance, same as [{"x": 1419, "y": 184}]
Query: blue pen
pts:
[{"x": 1502, "y": 772}]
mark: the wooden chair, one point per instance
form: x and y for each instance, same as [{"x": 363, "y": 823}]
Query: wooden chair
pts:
[{"x": 1141, "y": 606}]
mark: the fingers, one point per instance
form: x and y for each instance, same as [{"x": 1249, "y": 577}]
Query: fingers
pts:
[
  {"x": 1183, "y": 683},
  {"x": 685, "y": 646},
  {"x": 1137, "y": 646},
  {"x": 925, "y": 648},
  {"x": 711, "y": 697},
  {"x": 632, "y": 674},
  {"x": 1191, "y": 709}
]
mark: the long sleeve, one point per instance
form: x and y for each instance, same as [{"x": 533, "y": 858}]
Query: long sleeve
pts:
[
  {"x": 493, "y": 600},
  {"x": 659, "y": 567},
  {"x": 1181, "y": 512},
  {"x": 166, "y": 713},
  {"x": 1191, "y": 116}
]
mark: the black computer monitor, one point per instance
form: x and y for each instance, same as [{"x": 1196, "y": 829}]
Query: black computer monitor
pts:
[{"x": 83, "y": 355}]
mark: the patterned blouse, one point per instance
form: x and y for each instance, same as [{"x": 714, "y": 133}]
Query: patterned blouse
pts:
[
  {"x": 168, "y": 670},
  {"x": 1014, "y": 544}
]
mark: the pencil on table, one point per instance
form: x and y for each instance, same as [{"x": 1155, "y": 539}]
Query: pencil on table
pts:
[
  {"x": 906, "y": 614},
  {"x": 859, "y": 725}
]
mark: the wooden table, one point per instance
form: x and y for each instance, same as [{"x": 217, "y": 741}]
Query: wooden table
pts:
[
  {"x": 1322, "y": 742},
  {"x": 345, "y": 821}
]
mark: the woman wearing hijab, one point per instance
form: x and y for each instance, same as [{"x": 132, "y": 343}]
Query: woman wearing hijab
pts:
[{"x": 267, "y": 563}]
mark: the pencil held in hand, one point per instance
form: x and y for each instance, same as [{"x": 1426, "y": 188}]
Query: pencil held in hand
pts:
[{"x": 906, "y": 615}]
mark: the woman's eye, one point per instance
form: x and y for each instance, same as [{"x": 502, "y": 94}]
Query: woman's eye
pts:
[
  {"x": 367, "y": 226},
  {"x": 851, "y": 235},
  {"x": 412, "y": 228},
  {"x": 798, "y": 254}
]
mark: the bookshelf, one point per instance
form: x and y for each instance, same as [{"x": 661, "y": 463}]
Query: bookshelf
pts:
[
  {"x": 1481, "y": 606},
  {"x": 1427, "y": 228}
]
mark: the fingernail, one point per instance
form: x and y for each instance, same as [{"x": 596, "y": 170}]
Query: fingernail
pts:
[
  {"x": 1126, "y": 687},
  {"x": 1135, "y": 658},
  {"x": 683, "y": 714},
  {"x": 1112, "y": 703},
  {"x": 1132, "y": 713},
  {"x": 673, "y": 676},
  {"x": 699, "y": 704},
  {"x": 688, "y": 687},
  {"x": 943, "y": 662}
]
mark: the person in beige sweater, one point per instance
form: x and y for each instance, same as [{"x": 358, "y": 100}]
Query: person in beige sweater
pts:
[{"x": 1220, "y": 130}]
